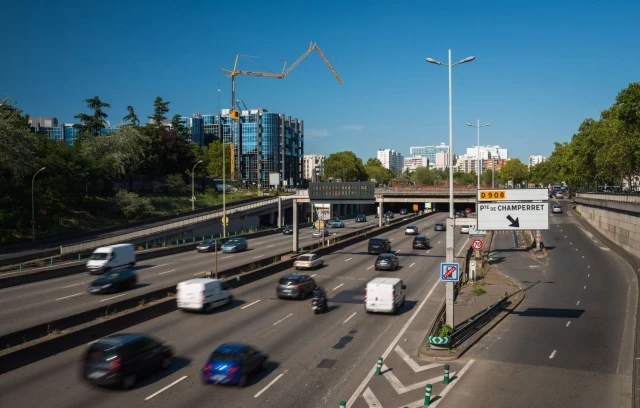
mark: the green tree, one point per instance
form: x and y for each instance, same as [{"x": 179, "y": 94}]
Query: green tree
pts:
[
  {"x": 178, "y": 126},
  {"x": 424, "y": 175},
  {"x": 375, "y": 171},
  {"x": 160, "y": 110},
  {"x": 344, "y": 165},
  {"x": 132, "y": 205},
  {"x": 212, "y": 159},
  {"x": 487, "y": 177},
  {"x": 93, "y": 123},
  {"x": 514, "y": 170},
  {"x": 131, "y": 118},
  {"x": 174, "y": 185}
]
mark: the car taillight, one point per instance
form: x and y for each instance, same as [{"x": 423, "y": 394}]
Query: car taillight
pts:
[
  {"x": 207, "y": 368},
  {"x": 299, "y": 286},
  {"x": 114, "y": 365},
  {"x": 232, "y": 370}
]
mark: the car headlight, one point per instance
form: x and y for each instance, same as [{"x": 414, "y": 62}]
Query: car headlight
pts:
[{"x": 105, "y": 286}]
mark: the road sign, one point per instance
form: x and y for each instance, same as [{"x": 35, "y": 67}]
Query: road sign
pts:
[
  {"x": 476, "y": 244},
  {"x": 449, "y": 272},
  {"x": 415, "y": 207},
  {"x": 513, "y": 216},
  {"x": 318, "y": 225},
  {"x": 225, "y": 220},
  {"x": 520, "y": 194},
  {"x": 474, "y": 232}
]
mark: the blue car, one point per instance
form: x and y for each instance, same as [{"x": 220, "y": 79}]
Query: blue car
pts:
[
  {"x": 233, "y": 363},
  {"x": 235, "y": 245}
]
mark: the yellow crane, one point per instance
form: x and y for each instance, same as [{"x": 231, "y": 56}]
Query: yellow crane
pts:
[{"x": 285, "y": 71}]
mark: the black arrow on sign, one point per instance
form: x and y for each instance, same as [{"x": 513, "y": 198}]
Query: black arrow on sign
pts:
[{"x": 514, "y": 223}]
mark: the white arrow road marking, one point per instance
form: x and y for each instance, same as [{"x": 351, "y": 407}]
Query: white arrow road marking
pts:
[
  {"x": 371, "y": 399},
  {"x": 401, "y": 388},
  {"x": 411, "y": 266},
  {"x": 412, "y": 363}
]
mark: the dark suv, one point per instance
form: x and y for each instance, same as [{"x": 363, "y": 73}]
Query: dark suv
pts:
[
  {"x": 287, "y": 230},
  {"x": 421, "y": 242},
  {"x": 294, "y": 285},
  {"x": 121, "y": 359},
  {"x": 361, "y": 218},
  {"x": 379, "y": 245}
]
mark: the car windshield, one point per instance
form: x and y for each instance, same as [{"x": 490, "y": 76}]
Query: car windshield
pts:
[
  {"x": 207, "y": 242},
  {"x": 384, "y": 256},
  {"x": 411, "y": 227},
  {"x": 233, "y": 242},
  {"x": 376, "y": 241},
  {"x": 440, "y": 224},
  {"x": 102, "y": 352},
  {"x": 420, "y": 238},
  {"x": 304, "y": 258},
  {"x": 223, "y": 355},
  {"x": 99, "y": 256}
]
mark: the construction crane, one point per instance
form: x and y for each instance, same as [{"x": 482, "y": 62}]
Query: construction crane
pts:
[
  {"x": 243, "y": 104},
  {"x": 285, "y": 71}
]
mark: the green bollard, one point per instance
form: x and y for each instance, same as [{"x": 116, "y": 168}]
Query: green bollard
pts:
[
  {"x": 20, "y": 268},
  {"x": 164, "y": 244},
  {"x": 343, "y": 404},
  {"x": 194, "y": 239},
  {"x": 146, "y": 245},
  {"x": 184, "y": 240},
  {"x": 427, "y": 396},
  {"x": 379, "y": 365},
  {"x": 79, "y": 257},
  {"x": 51, "y": 261},
  {"x": 446, "y": 374},
  {"x": 177, "y": 242}
]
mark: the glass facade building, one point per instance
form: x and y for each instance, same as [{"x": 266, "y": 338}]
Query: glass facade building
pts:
[{"x": 429, "y": 151}]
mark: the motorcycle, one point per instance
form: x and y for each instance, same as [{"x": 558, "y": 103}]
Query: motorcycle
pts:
[{"x": 318, "y": 305}]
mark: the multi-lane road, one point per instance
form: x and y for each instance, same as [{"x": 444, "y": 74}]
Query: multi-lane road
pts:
[
  {"x": 316, "y": 360},
  {"x": 31, "y": 304}
]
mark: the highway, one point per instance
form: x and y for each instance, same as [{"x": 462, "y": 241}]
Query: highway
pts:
[
  {"x": 346, "y": 340},
  {"x": 570, "y": 343},
  {"x": 31, "y": 304}
]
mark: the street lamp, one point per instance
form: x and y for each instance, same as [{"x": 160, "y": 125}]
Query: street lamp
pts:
[
  {"x": 193, "y": 189},
  {"x": 478, "y": 156},
  {"x": 450, "y": 227},
  {"x": 33, "y": 211}
]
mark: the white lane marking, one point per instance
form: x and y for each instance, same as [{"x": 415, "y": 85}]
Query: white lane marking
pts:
[
  {"x": 411, "y": 266},
  {"x": 439, "y": 242},
  {"x": 349, "y": 318},
  {"x": 578, "y": 303},
  {"x": 585, "y": 286},
  {"x": 398, "y": 251},
  {"x": 348, "y": 259},
  {"x": 259, "y": 256},
  {"x": 269, "y": 385},
  {"x": 70, "y": 296},
  {"x": 412, "y": 363},
  {"x": 582, "y": 255},
  {"x": 588, "y": 275},
  {"x": 157, "y": 266},
  {"x": 560, "y": 229},
  {"x": 588, "y": 266},
  {"x": 271, "y": 246},
  {"x": 70, "y": 286},
  {"x": 366, "y": 380},
  {"x": 570, "y": 243},
  {"x": 576, "y": 249},
  {"x": 200, "y": 273},
  {"x": 259, "y": 243},
  {"x": 283, "y": 319},
  {"x": 113, "y": 297},
  {"x": 226, "y": 257},
  {"x": 401, "y": 388},
  {"x": 370, "y": 267},
  {"x": 313, "y": 275},
  {"x": 338, "y": 286},
  {"x": 250, "y": 304},
  {"x": 162, "y": 273},
  {"x": 565, "y": 236},
  {"x": 428, "y": 251},
  {"x": 553, "y": 354},
  {"x": 447, "y": 388},
  {"x": 568, "y": 323},
  {"x": 165, "y": 388},
  {"x": 371, "y": 399}
]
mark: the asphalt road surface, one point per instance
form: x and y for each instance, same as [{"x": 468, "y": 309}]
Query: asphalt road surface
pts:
[
  {"x": 570, "y": 343},
  {"x": 31, "y": 304},
  {"x": 316, "y": 360}
]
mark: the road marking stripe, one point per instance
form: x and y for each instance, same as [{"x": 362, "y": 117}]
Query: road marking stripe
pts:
[
  {"x": 585, "y": 286},
  {"x": 259, "y": 243},
  {"x": 371, "y": 399},
  {"x": 588, "y": 275},
  {"x": 269, "y": 385},
  {"x": 165, "y": 388},
  {"x": 348, "y": 259},
  {"x": 250, "y": 304},
  {"x": 271, "y": 246},
  {"x": 428, "y": 251},
  {"x": 200, "y": 273},
  {"x": 398, "y": 251},
  {"x": 259, "y": 256},
  {"x": 412, "y": 363},
  {"x": 582, "y": 256},
  {"x": 226, "y": 257},
  {"x": 588, "y": 266},
  {"x": 553, "y": 354},
  {"x": 578, "y": 303},
  {"x": 349, "y": 318},
  {"x": 448, "y": 387},
  {"x": 411, "y": 266},
  {"x": 283, "y": 319},
  {"x": 157, "y": 266},
  {"x": 338, "y": 286},
  {"x": 568, "y": 323},
  {"x": 313, "y": 275},
  {"x": 370, "y": 267},
  {"x": 113, "y": 297},
  {"x": 366, "y": 380},
  {"x": 70, "y": 286},
  {"x": 570, "y": 243},
  {"x": 70, "y": 296},
  {"x": 162, "y": 273},
  {"x": 439, "y": 242}
]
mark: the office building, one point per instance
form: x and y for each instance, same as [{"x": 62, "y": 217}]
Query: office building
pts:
[
  {"x": 533, "y": 160},
  {"x": 67, "y": 132},
  {"x": 429, "y": 152},
  {"x": 412, "y": 163},
  {"x": 313, "y": 167},
  {"x": 442, "y": 161},
  {"x": 469, "y": 162},
  {"x": 391, "y": 159}
]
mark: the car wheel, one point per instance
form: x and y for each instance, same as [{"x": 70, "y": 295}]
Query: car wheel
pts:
[
  {"x": 166, "y": 363},
  {"x": 229, "y": 300},
  {"x": 132, "y": 264},
  {"x": 129, "y": 381},
  {"x": 243, "y": 381}
]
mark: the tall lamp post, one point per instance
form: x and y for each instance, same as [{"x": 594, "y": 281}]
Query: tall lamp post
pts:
[
  {"x": 33, "y": 210},
  {"x": 193, "y": 188},
  {"x": 478, "y": 155},
  {"x": 450, "y": 227}
]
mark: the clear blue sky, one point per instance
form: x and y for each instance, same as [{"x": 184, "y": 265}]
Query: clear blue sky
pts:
[{"x": 540, "y": 69}]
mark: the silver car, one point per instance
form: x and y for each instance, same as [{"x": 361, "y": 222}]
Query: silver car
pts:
[{"x": 321, "y": 233}]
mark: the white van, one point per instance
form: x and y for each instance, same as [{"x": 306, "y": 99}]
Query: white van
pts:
[
  {"x": 203, "y": 294},
  {"x": 384, "y": 295},
  {"x": 115, "y": 256}
]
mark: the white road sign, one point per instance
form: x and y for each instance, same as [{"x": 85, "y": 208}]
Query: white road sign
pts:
[
  {"x": 474, "y": 231},
  {"x": 513, "y": 216},
  {"x": 510, "y": 194}
]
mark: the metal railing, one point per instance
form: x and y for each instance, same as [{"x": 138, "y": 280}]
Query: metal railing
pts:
[
  {"x": 88, "y": 245},
  {"x": 618, "y": 197}
]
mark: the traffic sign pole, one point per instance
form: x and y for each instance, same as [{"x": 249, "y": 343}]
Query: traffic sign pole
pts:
[{"x": 450, "y": 299}]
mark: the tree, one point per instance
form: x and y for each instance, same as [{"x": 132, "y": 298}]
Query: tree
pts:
[
  {"x": 178, "y": 126},
  {"x": 175, "y": 153},
  {"x": 514, "y": 170},
  {"x": 424, "y": 175},
  {"x": 92, "y": 124},
  {"x": 345, "y": 166},
  {"x": 487, "y": 177},
  {"x": 17, "y": 143},
  {"x": 131, "y": 118},
  {"x": 212, "y": 161},
  {"x": 174, "y": 185},
  {"x": 160, "y": 110},
  {"x": 375, "y": 171}
]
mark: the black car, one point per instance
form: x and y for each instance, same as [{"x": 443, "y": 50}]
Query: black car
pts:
[
  {"x": 421, "y": 242},
  {"x": 389, "y": 214},
  {"x": 404, "y": 211},
  {"x": 209, "y": 245},
  {"x": 379, "y": 245},
  {"x": 294, "y": 285},
  {"x": 114, "y": 281},
  {"x": 361, "y": 218},
  {"x": 461, "y": 214},
  {"x": 121, "y": 359},
  {"x": 440, "y": 226},
  {"x": 388, "y": 262},
  {"x": 287, "y": 230}
]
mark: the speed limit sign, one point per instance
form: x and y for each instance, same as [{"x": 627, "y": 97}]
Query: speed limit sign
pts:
[{"x": 477, "y": 244}]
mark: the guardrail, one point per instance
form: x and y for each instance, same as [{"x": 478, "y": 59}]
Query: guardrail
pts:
[
  {"x": 617, "y": 197},
  {"x": 87, "y": 245}
]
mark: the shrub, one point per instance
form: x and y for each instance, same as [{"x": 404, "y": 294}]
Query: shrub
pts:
[
  {"x": 174, "y": 185},
  {"x": 445, "y": 331},
  {"x": 131, "y": 205},
  {"x": 478, "y": 289}
]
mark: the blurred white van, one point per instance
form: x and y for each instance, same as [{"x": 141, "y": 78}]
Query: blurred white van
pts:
[{"x": 111, "y": 257}]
